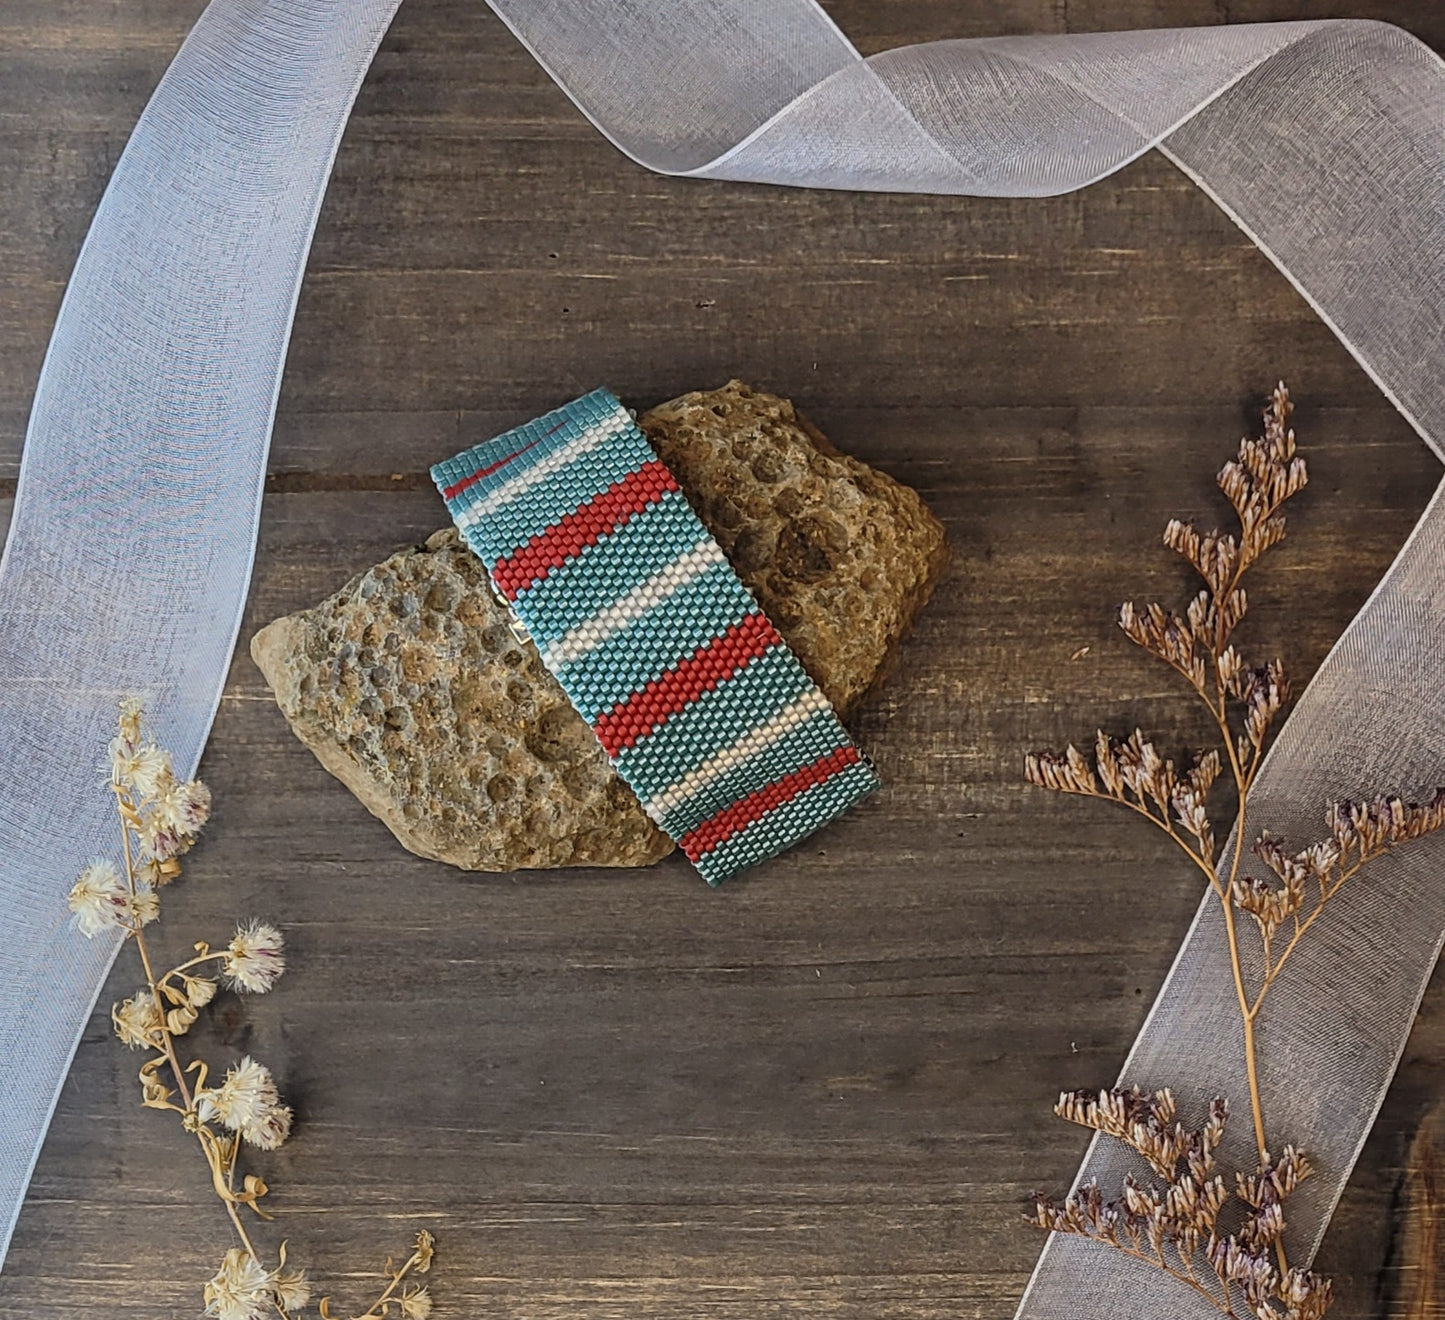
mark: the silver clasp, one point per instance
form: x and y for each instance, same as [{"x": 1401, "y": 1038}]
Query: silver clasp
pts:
[{"x": 518, "y": 628}]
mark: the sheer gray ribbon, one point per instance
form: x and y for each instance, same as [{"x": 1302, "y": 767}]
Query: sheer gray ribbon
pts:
[{"x": 129, "y": 555}]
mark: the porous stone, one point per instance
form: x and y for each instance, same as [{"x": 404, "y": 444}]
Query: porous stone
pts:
[
  {"x": 410, "y": 687},
  {"x": 840, "y": 556}
]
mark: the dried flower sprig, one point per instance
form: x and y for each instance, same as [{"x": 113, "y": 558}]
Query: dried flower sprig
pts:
[
  {"x": 1174, "y": 1226},
  {"x": 160, "y": 817}
]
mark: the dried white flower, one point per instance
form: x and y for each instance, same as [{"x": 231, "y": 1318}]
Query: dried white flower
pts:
[
  {"x": 240, "y": 1290},
  {"x": 129, "y": 719},
  {"x": 145, "y": 906},
  {"x": 293, "y": 1290},
  {"x": 248, "y": 1089},
  {"x": 159, "y": 840},
  {"x": 247, "y": 1102},
  {"x": 154, "y": 874},
  {"x": 137, "y": 1020},
  {"x": 142, "y": 768},
  {"x": 255, "y": 958},
  {"x": 416, "y": 1305},
  {"x": 200, "y": 990},
  {"x": 271, "y": 1129},
  {"x": 100, "y": 899},
  {"x": 183, "y": 808}
]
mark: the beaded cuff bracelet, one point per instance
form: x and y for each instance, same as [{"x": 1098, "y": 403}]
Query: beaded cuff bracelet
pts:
[{"x": 696, "y": 699}]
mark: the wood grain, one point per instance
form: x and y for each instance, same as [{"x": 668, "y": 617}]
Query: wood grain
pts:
[{"x": 823, "y": 1091}]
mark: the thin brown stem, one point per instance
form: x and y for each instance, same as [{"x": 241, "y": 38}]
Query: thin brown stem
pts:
[
  {"x": 1163, "y": 823},
  {"x": 372, "y": 1310},
  {"x": 194, "y": 962},
  {"x": 167, "y": 1044},
  {"x": 1157, "y": 1259},
  {"x": 1302, "y": 927},
  {"x": 1225, "y": 890}
]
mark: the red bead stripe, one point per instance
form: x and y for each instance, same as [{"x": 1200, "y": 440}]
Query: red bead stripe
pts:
[
  {"x": 730, "y": 820},
  {"x": 633, "y": 719},
  {"x": 601, "y": 516},
  {"x": 452, "y": 491}
]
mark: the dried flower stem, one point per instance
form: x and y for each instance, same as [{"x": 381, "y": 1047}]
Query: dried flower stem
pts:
[
  {"x": 137, "y": 934},
  {"x": 159, "y": 820},
  {"x": 1243, "y": 703},
  {"x": 420, "y": 1261},
  {"x": 221, "y": 1164}
]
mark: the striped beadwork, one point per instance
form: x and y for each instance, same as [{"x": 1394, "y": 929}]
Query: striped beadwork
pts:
[{"x": 692, "y": 693}]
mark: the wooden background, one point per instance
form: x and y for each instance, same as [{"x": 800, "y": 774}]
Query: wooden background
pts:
[{"x": 825, "y": 1090}]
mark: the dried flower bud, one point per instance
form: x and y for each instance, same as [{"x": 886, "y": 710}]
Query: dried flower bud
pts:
[
  {"x": 292, "y": 1289},
  {"x": 1307, "y": 1295},
  {"x": 142, "y": 769},
  {"x": 255, "y": 958},
  {"x": 271, "y": 1129},
  {"x": 1261, "y": 1230},
  {"x": 1269, "y": 907},
  {"x": 101, "y": 900},
  {"x": 240, "y": 1290},
  {"x": 1061, "y": 773},
  {"x": 1173, "y": 639},
  {"x": 183, "y": 808},
  {"x": 129, "y": 720},
  {"x": 160, "y": 841},
  {"x": 145, "y": 906},
  {"x": 1235, "y": 1263},
  {"x": 137, "y": 1021},
  {"x": 416, "y": 1304},
  {"x": 247, "y": 1102},
  {"x": 200, "y": 990},
  {"x": 1275, "y": 1179}
]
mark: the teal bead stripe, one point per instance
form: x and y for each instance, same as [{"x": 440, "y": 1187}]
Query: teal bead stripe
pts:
[
  {"x": 698, "y": 703},
  {"x": 603, "y": 573},
  {"x": 532, "y": 443},
  {"x": 513, "y": 523},
  {"x": 691, "y": 617}
]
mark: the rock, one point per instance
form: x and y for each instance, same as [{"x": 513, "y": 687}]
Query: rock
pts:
[
  {"x": 841, "y": 557},
  {"x": 409, "y": 686}
]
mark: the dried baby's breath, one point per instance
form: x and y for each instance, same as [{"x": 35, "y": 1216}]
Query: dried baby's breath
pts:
[
  {"x": 100, "y": 900},
  {"x": 240, "y": 1289},
  {"x": 1173, "y": 1223},
  {"x": 160, "y": 817},
  {"x": 254, "y": 958},
  {"x": 247, "y": 1102}
]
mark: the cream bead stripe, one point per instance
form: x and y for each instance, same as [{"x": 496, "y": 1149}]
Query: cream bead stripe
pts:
[{"x": 649, "y": 595}]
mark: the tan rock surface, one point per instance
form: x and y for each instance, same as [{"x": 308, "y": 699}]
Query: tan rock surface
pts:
[
  {"x": 410, "y": 688},
  {"x": 841, "y": 557}
]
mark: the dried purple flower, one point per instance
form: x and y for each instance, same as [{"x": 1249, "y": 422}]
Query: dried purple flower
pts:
[{"x": 1172, "y": 1223}]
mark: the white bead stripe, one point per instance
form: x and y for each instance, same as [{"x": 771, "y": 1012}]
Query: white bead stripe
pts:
[
  {"x": 536, "y": 474},
  {"x": 752, "y": 743},
  {"x": 588, "y": 636}
]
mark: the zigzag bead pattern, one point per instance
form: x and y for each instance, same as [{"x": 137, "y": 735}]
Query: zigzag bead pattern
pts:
[{"x": 695, "y": 698}]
